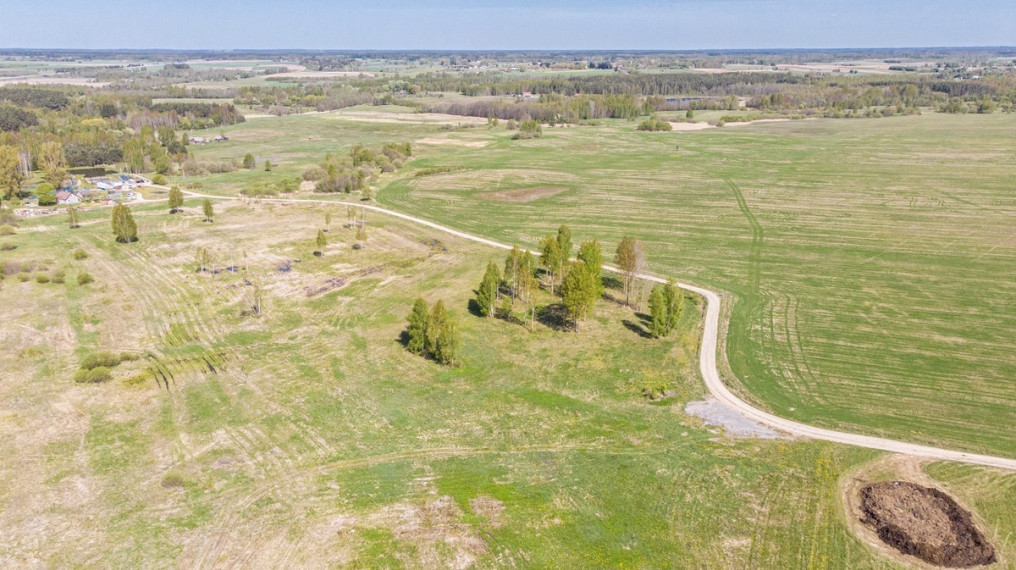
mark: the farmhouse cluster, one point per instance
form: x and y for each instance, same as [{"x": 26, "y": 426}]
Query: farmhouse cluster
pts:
[{"x": 103, "y": 190}]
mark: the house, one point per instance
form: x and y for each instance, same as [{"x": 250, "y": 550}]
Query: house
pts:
[{"x": 66, "y": 198}]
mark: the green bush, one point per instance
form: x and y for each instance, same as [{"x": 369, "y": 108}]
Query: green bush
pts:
[
  {"x": 80, "y": 254},
  {"x": 529, "y": 130},
  {"x": 8, "y": 247},
  {"x": 6, "y": 230},
  {"x": 84, "y": 278},
  {"x": 24, "y": 277},
  {"x": 102, "y": 358},
  {"x": 654, "y": 124},
  {"x": 159, "y": 179},
  {"x": 93, "y": 376},
  {"x": 42, "y": 278},
  {"x": 59, "y": 276},
  {"x": 135, "y": 380},
  {"x": 173, "y": 480}
]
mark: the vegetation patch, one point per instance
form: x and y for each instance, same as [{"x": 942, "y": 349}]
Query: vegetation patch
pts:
[
  {"x": 521, "y": 195},
  {"x": 926, "y": 523}
]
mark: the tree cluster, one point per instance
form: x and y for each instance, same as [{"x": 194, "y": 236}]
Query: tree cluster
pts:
[
  {"x": 665, "y": 306},
  {"x": 432, "y": 333}
]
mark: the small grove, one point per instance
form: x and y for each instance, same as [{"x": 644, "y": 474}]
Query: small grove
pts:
[{"x": 512, "y": 294}]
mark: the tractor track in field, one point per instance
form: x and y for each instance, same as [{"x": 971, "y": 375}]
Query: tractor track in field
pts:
[{"x": 709, "y": 347}]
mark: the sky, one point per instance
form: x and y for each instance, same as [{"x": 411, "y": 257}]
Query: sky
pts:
[{"x": 504, "y": 24}]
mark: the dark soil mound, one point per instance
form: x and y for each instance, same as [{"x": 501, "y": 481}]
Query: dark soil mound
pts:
[{"x": 925, "y": 523}]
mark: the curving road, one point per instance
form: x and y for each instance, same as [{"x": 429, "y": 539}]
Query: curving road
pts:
[{"x": 707, "y": 361}]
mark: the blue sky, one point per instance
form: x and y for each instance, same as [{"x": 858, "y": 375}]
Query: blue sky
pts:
[{"x": 501, "y": 24}]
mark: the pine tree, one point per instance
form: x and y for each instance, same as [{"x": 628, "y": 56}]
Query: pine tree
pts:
[
  {"x": 486, "y": 294},
  {"x": 206, "y": 206},
  {"x": 436, "y": 327},
  {"x": 418, "y": 319},
  {"x": 321, "y": 240},
  {"x": 328, "y": 219},
  {"x": 248, "y": 161},
  {"x": 268, "y": 165},
  {"x": 447, "y": 345},
  {"x": 658, "y": 310}
]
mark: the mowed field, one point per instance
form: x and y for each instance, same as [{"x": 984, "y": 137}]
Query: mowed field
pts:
[
  {"x": 309, "y": 437},
  {"x": 870, "y": 262}
]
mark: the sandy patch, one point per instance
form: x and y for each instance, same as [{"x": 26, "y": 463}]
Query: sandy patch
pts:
[
  {"x": 43, "y": 80},
  {"x": 416, "y": 118},
  {"x": 322, "y": 74},
  {"x": 522, "y": 194},
  {"x": 716, "y": 413},
  {"x": 452, "y": 142},
  {"x": 691, "y": 126},
  {"x": 755, "y": 122}
]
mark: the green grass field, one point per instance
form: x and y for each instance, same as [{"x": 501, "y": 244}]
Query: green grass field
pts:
[
  {"x": 870, "y": 260},
  {"x": 309, "y": 436}
]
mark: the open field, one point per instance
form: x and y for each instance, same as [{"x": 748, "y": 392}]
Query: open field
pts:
[
  {"x": 309, "y": 436},
  {"x": 870, "y": 258}
]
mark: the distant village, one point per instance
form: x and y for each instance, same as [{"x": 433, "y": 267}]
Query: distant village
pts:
[{"x": 100, "y": 190}]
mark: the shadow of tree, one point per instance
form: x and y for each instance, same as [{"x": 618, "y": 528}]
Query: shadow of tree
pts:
[
  {"x": 636, "y": 328},
  {"x": 554, "y": 316}
]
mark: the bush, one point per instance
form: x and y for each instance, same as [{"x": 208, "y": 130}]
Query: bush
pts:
[
  {"x": 84, "y": 278},
  {"x": 46, "y": 194},
  {"x": 8, "y": 247},
  {"x": 24, "y": 277},
  {"x": 6, "y": 230},
  {"x": 173, "y": 480},
  {"x": 529, "y": 130},
  {"x": 103, "y": 358},
  {"x": 80, "y": 254},
  {"x": 59, "y": 276},
  {"x": 135, "y": 380},
  {"x": 654, "y": 124},
  {"x": 42, "y": 278},
  {"x": 159, "y": 179},
  {"x": 93, "y": 376}
]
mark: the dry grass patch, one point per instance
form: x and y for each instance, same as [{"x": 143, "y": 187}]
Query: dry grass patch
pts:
[{"x": 522, "y": 194}]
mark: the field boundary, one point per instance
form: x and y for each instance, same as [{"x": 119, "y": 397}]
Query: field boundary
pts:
[{"x": 707, "y": 358}]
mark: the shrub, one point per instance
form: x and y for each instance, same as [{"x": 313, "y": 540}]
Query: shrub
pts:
[
  {"x": 84, "y": 278},
  {"x": 173, "y": 480},
  {"x": 6, "y": 230},
  {"x": 530, "y": 129},
  {"x": 135, "y": 380},
  {"x": 59, "y": 276},
  {"x": 654, "y": 124},
  {"x": 80, "y": 254},
  {"x": 42, "y": 278},
  {"x": 93, "y": 376},
  {"x": 24, "y": 277},
  {"x": 159, "y": 179},
  {"x": 103, "y": 358},
  {"x": 8, "y": 247}
]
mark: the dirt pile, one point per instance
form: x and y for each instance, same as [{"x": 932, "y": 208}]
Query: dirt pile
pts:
[{"x": 924, "y": 522}]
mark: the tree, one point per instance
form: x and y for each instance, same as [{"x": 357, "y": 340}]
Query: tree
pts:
[
  {"x": 528, "y": 287},
  {"x": 564, "y": 243},
  {"x": 206, "y": 207},
  {"x": 202, "y": 258},
  {"x": 328, "y": 219},
  {"x": 592, "y": 256},
  {"x": 72, "y": 217},
  {"x": 268, "y": 165},
  {"x": 511, "y": 269},
  {"x": 435, "y": 325},
  {"x": 418, "y": 317},
  {"x": 361, "y": 231},
  {"x": 675, "y": 303},
  {"x": 550, "y": 257},
  {"x": 175, "y": 200},
  {"x": 321, "y": 241},
  {"x": 579, "y": 292},
  {"x": 46, "y": 194},
  {"x": 53, "y": 163},
  {"x": 658, "y": 310},
  {"x": 12, "y": 174},
  {"x": 628, "y": 257},
  {"x": 442, "y": 335},
  {"x": 486, "y": 294},
  {"x": 248, "y": 161},
  {"x": 124, "y": 228}
]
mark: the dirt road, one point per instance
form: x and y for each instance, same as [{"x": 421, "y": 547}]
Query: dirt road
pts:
[{"x": 707, "y": 362}]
